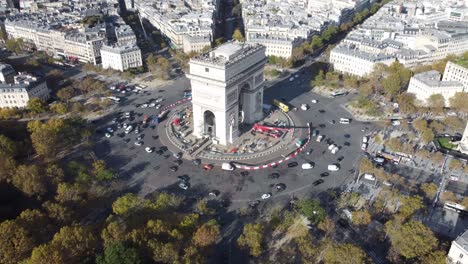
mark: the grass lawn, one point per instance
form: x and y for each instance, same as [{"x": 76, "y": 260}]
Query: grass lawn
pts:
[{"x": 445, "y": 143}]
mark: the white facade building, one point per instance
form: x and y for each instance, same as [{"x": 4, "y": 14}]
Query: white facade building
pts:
[
  {"x": 121, "y": 58},
  {"x": 227, "y": 89},
  {"x": 355, "y": 62},
  {"x": 458, "y": 253},
  {"x": 196, "y": 43},
  {"x": 24, "y": 88},
  {"x": 425, "y": 84},
  {"x": 457, "y": 73}
]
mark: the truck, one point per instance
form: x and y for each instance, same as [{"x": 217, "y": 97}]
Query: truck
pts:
[{"x": 284, "y": 107}]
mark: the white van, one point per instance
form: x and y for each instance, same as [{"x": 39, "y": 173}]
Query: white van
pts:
[
  {"x": 128, "y": 129},
  {"x": 307, "y": 166},
  {"x": 369, "y": 177},
  {"x": 227, "y": 166},
  {"x": 365, "y": 139},
  {"x": 333, "y": 167},
  {"x": 334, "y": 150},
  {"x": 344, "y": 120},
  {"x": 319, "y": 138},
  {"x": 332, "y": 146}
]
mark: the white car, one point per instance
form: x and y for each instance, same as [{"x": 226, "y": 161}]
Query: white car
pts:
[
  {"x": 364, "y": 146},
  {"x": 307, "y": 166},
  {"x": 144, "y": 106},
  {"x": 266, "y": 196},
  {"x": 123, "y": 91},
  {"x": 158, "y": 106},
  {"x": 291, "y": 79},
  {"x": 304, "y": 107},
  {"x": 152, "y": 105},
  {"x": 148, "y": 149},
  {"x": 319, "y": 138},
  {"x": 314, "y": 101},
  {"x": 333, "y": 167},
  {"x": 138, "y": 143},
  {"x": 183, "y": 185},
  {"x": 108, "y": 135},
  {"x": 128, "y": 129},
  {"x": 125, "y": 125},
  {"x": 296, "y": 76},
  {"x": 110, "y": 129}
]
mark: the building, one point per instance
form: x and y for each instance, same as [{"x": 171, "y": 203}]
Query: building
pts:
[
  {"x": 196, "y": 43},
  {"x": 425, "y": 84},
  {"x": 355, "y": 62},
  {"x": 121, "y": 58},
  {"x": 458, "y": 253},
  {"x": 457, "y": 71},
  {"x": 7, "y": 73},
  {"x": 24, "y": 88},
  {"x": 227, "y": 90},
  {"x": 463, "y": 145},
  {"x": 125, "y": 36}
]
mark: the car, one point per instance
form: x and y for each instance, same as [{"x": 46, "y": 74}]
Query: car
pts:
[
  {"x": 307, "y": 166},
  {"x": 208, "y": 167},
  {"x": 321, "y": 111},
  {"x": 347, "y": 135},
  {"x": 280, "y": 187},
  {"x": 254, "y": 203},
  {"x": 163, "y": 148},
  {"x": 340, "y": 158},
  {"x": 152, "y": 105},
  {"x": 159, "y": 152},
  {"x": 127, "y": 114},
  {"x": 123, "y": 91},
  {"x": 331, "y": 122},
  {"x": 177, "y": 161},
  {"x": 291, "y": 79},
  {"x": 319, "y": 138},
  {"x": 128, "y": 129},
  {"x": 139, "y": 138},
  {"x": 244, "y": 173},
  {"x": 108, "y": 135},
  {"x": 138, "y": 143},
  {"x": 158, "y": 106},
  {"x": 266, "y": 196},
  {"x": 314, "y": 101},
  {"x": 114, "y": 120},
  {"x": 144, "y": 106},
  {"x": 309, "y": 151},
  {"x": 173, "y": 168},
  {"x": 184, "y": 178},
  {"x": 137, "y": 130},
  {"x": 324, "y": 174},
  {"x": 318, "y": 182},
  {"x": 148, "y": 149},
  {"x": 177, "y": 155},
  {"x": 119, "y": 126},
  {"x": 273, "y": 175},
  {"x": 379, "y": 160},
  {"x": 315, "y": 133},
  {"x": 292, "y": 164},
  {"x": 110, "y": 130},
  {"x": 363, "y": 146},
  {"x": 304, "y": 107},
  {"x": 125, "y": 125},
  {"x": 214, "y": 193},
  {"x": 196, "y": 161},
  {"x": 296, "y": 76},
  {"x": 322, "y": 125},
  {"x": 183, "y": 185},
  {"x": 333, "y": 167}
]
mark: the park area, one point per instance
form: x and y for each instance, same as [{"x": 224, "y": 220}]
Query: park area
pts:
[{"x": 446, "y": 143}]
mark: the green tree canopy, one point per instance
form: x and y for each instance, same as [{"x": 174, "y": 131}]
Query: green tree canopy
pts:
[
  {"x": 312, "y": 210},
  {"x": 119, "y": 253},
  {"x": 207, "y": 234},
  {"x": 15, "y": 242},
  {"x": 126, "y": 203},
  {"x": 345, "y": 254},
  {"x": 252, "y": 238},
  {"x": 237, "y": 35},
  {"x": 37, "y": 105},
  {"x": 458, "y": 101}
]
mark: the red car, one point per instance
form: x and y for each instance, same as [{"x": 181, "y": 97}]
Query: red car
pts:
[{"x": 208, "y": 167}]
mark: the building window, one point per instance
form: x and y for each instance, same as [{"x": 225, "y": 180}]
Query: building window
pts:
[
  {"x": 461, "y": 255},
  {"x": 207, "y": 70}
]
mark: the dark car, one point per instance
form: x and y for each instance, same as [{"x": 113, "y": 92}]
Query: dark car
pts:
[
  {"x": 274, "y": 175},
  {"x": 310, "y": 151},
  {"x": 244, "y": 173},
  {"x": 331, "y": 122},
  {"x": 321, "y": 111},
  {"x": 318, "y": 182},
  {"x": 214, "y": 193},
  {"x": 280, "y": 187},
  {"x": 163, "y": 148},
  {"x": 196, "y": 161},
  {"x": 324, "y": 174},
  {"x": 347, "y": 144},
  {"x": 159, "y": 152},
  {"x": 347, "y": 135},
  {"x": 322, "y": 125},
  {"x": 340, "y": 158},
  {"x": 254, "y": 203},
  {"x": 173, "y": 168},
  {"x": 184, "y": 177},
  {"x": 177, "y": 161},
  {"x": 292, "y": 164}
]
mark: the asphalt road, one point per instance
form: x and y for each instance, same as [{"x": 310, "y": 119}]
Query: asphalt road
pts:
[{"x": 149, "y": 171}]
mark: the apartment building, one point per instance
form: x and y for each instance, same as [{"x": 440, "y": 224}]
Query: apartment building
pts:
[
  {"x": 456, "y": 71},
  {"x": 458, "y": 253},
  {"x": 196, "y": 43},
  {"x": 24, "y": 88},
  {"x": 7, "y": 73},
  {"x": 121, "y": 58},
  {"x": 356, "y": 62}
]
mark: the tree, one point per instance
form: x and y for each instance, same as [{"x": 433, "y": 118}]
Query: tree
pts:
[
  {"x": 436, "y": 102},
  {"x": 412, "y": 239},
  {"x": 319, "y": 79},
  {"x": 361, "y": 218},
  {"x": 151, "y": 62},
  {"x": 316, "y": 42},
  {"x": 58, "y": 212},
  {"x": 7, "y": 147},
  {"x": 113, "y": 232},
  {"x": 454, "y": 123},
  {"x": 237, "y": 35},
  {"x": 327, "y": 226},
  {"x": 66, "y": 93},
  {"x": 67, "y": 192},
  {"x": 420, "y": 124},
  {"x": 345, "y": 254},
  {"x": 448, "y": 196},
  {"x": 305, "y": 245},
  {"x": 207, "y": 234},
  {"x": 30, "y": 180},
  {"x": 458, "y": 101},
  {"x": 410, "y": 204},
  {"x": 455, "y": 164},
  {"x": 392, "y": 85},
  {"x": 350, "y": 81},
  {"x": 119, "y": 253},
  {"x": 126, "y": 203},
  {"x": 429, "y": 190},
  {"x": 252, "y": 238},
  {"x": 101, "y": 172},
  {"x": 435, "y": 257},
  {"x": 15, "y": 242},
  {"x": 329, "y": 33},
  {"x": 53, "y": 79},
  {"x": 312, "y": 210},
  {"x": 464, "y": 202},
  {"x": 427, "y": 135},
  {"x": 366, "y": 166},
  {"x": 406, "y": 102},
  {"x": 15, "y": 45},
  {"x": 37, "y": 105}
]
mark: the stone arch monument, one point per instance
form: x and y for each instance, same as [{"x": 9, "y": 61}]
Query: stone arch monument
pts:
[{"x": 228, "y": 82}]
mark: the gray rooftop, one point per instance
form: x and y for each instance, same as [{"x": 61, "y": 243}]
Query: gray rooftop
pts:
[
  {"x": 462, "y": 240},
  {"x": 433, "y": 79},
  {"x": 227, "y": 53}
]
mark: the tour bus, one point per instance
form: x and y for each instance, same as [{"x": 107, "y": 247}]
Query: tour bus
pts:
[
  {"x": 335, "y": 94},
  {"x": 344, "y": 120},
  {"x": 280, "y": 105},
  {"x": 455, "y": 207}
]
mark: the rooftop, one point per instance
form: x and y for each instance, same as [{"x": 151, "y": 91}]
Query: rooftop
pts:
[
  {"x": 462, "y": 240},
  {"x": 227, "y": 53},
  {"x": 433, "y": 79}
]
